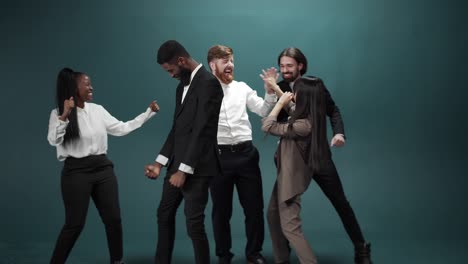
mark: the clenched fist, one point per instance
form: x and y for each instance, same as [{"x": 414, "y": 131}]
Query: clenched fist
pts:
[
  {"x": 68, "y": 105},
  {"x": 154, "y": 106}
]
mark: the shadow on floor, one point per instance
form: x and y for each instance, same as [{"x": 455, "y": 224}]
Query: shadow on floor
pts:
[{"x": 150, "y": 259}]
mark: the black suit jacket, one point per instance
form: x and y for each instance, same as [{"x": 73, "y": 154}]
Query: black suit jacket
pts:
[
  {"x": 192, "y": 139},
  {"x": 332, "y": 110}
]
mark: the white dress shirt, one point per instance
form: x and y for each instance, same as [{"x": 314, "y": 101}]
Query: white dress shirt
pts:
[
  {"x": 95, "y": 123},
  {"x": 161, "y": 159},
  {"x": 234, "y": 126}
]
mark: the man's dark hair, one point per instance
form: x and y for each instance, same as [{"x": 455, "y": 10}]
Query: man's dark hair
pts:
[
  {"x": 170, "y": 50},
  {"x": 296, "y": 54}
]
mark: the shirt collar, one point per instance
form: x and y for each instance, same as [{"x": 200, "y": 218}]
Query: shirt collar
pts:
[
  {"x": 84, "y": 109},
  {"x": 194, "y": 72},
  {"x": 224, "y": 85}
]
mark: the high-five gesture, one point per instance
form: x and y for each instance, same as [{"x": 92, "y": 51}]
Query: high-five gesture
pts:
[{"x": 270, "y": 78}]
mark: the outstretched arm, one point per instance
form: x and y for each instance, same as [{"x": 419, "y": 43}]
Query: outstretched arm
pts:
[{"x": 116, "y": 127}]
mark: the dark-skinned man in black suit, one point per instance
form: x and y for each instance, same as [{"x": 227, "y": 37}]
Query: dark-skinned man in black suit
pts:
[{"x": 190, "y": 152}]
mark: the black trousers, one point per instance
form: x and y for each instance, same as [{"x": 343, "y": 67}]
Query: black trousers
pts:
[
  {"x": 240, "y": 168},
  {"x": 195, "y": 196},
  {"x": 82, "y": 179},
  {"x": 330, "y": 183}
]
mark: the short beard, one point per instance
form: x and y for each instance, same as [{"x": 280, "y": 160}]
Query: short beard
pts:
[
  {"x": 185, "y": 76},
  {"x": 292, "y": 79},
  {"x": 224, "y": 78}
]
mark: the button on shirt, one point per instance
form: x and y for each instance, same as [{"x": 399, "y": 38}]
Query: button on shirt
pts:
[
  {"x": 234, "y": 126},
  {"x": 95, "y": 123}
]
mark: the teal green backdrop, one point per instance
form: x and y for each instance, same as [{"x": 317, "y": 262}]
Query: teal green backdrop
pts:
[{"x": 396, "y": 69}]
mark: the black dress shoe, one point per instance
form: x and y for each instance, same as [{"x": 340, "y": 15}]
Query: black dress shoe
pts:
[
  {"x": 362, "y": 254},
  {"x": 225, "y": 260},
  {"x": 256, "y": 259}
]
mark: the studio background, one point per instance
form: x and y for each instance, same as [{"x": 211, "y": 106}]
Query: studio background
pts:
[{"x": 396, "y": 69}]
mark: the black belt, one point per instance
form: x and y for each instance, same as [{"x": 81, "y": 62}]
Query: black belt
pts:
[{"x": 236, "y": 147}]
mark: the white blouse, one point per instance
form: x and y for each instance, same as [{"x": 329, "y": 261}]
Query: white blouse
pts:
[{"x": 95, "y": 123}]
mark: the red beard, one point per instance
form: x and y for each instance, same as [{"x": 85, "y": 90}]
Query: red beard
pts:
[{"x": 225, "y": 77}]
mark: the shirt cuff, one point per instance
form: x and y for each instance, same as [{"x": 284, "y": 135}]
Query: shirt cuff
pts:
[
  {"x": 150, "y": 112},
  {"x": 162, "y": 160},
  {"x": 341, "y": 135},
  {"x": 186, "y": 168}
]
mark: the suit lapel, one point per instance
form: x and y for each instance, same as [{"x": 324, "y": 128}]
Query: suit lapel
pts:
[
  {"x": 179, "y": 92},
  {"x": 193, "y": 84}
]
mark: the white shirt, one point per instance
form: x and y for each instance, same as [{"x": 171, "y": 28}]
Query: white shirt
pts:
[
  {"x": 234, "y": 126},
  {"x": 161, "y": 159},
  {"x": 95, "y": 123}
]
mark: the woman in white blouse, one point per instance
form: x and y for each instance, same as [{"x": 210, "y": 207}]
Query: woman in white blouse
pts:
[{"x": 78, "y": 129}]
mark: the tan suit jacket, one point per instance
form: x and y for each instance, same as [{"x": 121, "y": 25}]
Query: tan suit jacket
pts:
[{"x": 293, "y": 174}]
